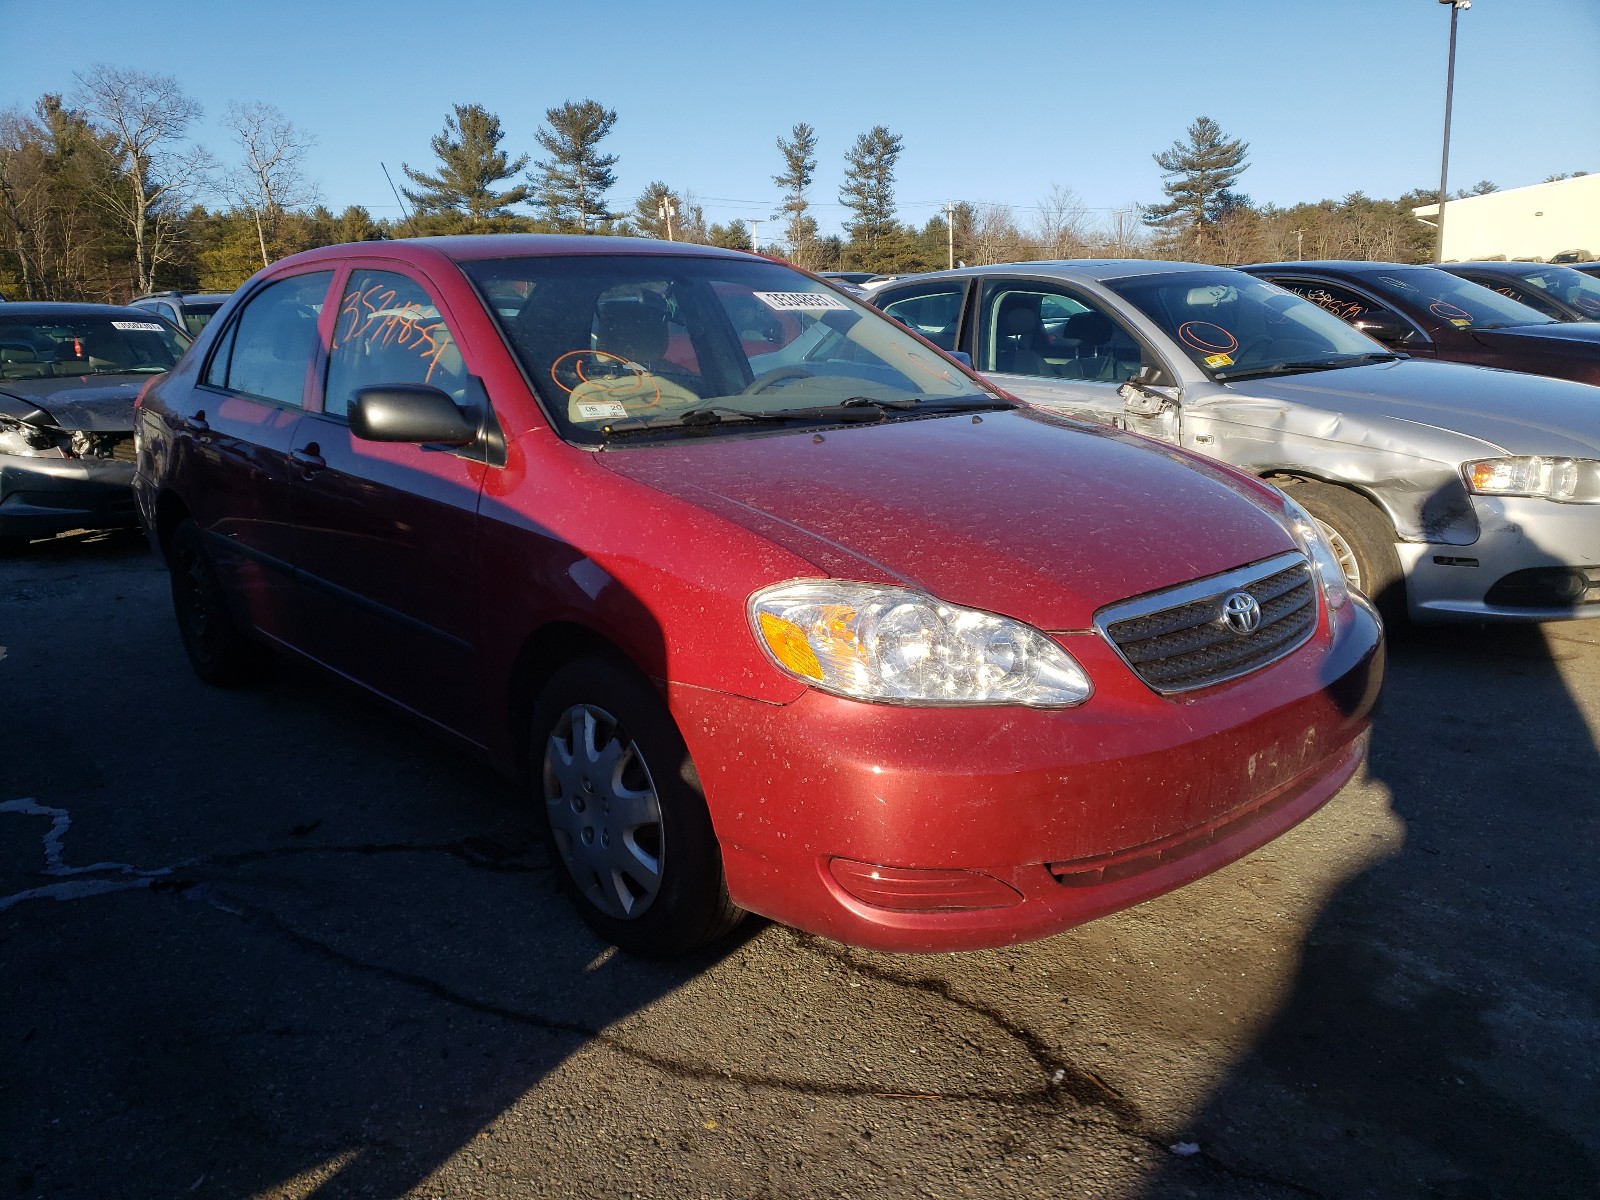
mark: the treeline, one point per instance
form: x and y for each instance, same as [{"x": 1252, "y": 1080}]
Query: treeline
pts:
[{"x": 103, "y": 195}]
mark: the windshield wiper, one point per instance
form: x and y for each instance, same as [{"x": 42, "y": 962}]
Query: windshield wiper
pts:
[
  {"x": 856, "y": 410},
  {"x": 1302, "y": 365}
]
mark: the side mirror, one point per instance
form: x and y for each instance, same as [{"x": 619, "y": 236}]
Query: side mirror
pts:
[
  {"x": 409, "y": 412},
  {"x": 1386, "y": 327},
  {"x": 1139, "y": 394}
]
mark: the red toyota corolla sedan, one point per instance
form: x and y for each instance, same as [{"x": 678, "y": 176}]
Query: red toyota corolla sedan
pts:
[{"x": 773, "y": 606}]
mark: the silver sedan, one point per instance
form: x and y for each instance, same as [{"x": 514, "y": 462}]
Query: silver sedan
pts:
[{"x": 1448, "y": 491}]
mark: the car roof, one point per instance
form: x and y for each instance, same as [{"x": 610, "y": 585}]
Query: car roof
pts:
[
  {"x": 1507, "y": 268},
  {"x": 65, "y": 308},
  {"x": 1354, "y": 266},
  {"x": 1086, "y": 269},
  {"x": 476, "y": 247}
]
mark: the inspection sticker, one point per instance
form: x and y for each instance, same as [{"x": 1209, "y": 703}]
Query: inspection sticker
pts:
[
  {"x": 1219, "y": 360},
  {"x": 800, "y": 301},
  {"x": 600, "y": 410},
  {"x": 144, "y": 326}
]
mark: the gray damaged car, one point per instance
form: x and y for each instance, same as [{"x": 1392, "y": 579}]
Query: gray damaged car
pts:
[
  {"x": 1449, "y": 491},
  {"x": 69, "y": 376}
]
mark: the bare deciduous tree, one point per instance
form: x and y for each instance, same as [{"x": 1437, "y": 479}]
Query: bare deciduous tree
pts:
[
  {"x": 1062, "y": 226},
  {"x": 272, "y": 176},
  {"x": 146, "y": 117}
]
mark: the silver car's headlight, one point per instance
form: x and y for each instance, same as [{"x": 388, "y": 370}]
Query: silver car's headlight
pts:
[
  {"x": 897, "y": 646},
  {"x": 1565, "y": 480},
  {"x": 1303, "y": 527},
  {"x": 17, "y": 437}
]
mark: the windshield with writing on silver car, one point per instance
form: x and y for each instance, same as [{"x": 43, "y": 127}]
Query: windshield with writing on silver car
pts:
[{"x": 1238, "y": 327}]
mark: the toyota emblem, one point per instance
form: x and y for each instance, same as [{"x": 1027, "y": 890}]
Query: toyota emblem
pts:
[{"x": 1242, "y": 612}]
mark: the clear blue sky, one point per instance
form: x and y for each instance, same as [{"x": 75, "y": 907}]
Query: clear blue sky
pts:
[{"x": 996, "y": 102}]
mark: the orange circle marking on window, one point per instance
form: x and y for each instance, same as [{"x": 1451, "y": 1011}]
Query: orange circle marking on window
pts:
[
  {"x": 619, "y": 384},
  {"x": 1207, "y": 337}
]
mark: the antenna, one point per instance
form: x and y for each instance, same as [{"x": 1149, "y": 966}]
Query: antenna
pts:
[{"x": 396, "y": 192}]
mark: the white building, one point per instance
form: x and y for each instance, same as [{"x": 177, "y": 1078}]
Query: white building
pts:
[{"x": 1525, "y": 222}]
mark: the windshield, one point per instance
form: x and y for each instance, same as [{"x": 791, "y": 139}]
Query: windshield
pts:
[
  {"x": 75, "y": 344},
  {"x": 1573, "y": 288},
  {"x": 1233, "y": 325},
  {"x": 618, "y": 341},
  {"x": 1448, "y": 298}
]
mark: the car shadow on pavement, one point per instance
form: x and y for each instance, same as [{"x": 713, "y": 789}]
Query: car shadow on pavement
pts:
[
  {"x": 1414, "y": 1054},
  {"x": 264, "y": 941}
]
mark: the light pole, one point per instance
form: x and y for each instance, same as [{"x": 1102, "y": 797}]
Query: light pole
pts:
[{"x": 1444, "y": 162}]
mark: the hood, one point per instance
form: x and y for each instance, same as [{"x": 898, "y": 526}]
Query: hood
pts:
[
  {"x": 1509, "y": 410},
  {"x": 99, "y": 403},
  {"x": 1020, "y": 513}
]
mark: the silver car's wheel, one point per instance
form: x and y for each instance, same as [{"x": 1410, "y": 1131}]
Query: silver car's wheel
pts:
[
  {"x": 1348, "y": 562},
  {"x": 604, "y": 812}
]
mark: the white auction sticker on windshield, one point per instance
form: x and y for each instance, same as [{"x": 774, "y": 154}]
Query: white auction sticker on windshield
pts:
[
  {"x": 800, "y": 301},
  {"x": 600, "y": 410},
  {"x": 143, "y": 326}
]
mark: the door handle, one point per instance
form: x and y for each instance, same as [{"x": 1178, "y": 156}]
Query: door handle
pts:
[{"x": 309, "y": 459}]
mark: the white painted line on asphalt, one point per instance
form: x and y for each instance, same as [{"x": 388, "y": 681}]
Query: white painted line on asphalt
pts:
[{"x": 54, "y": 859}]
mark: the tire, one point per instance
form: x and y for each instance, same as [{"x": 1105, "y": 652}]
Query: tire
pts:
[
  {"x": 219, "y": 652},
  {"x": 623, "y": 813},
  {"x": 1362, "y": 538}
]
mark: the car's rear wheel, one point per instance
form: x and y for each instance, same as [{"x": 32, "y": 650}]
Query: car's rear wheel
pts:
[
  {"x": 218, "y": 651},
  {"x": 1362, "y": 541},
  {"x": 623, "y": 812}
]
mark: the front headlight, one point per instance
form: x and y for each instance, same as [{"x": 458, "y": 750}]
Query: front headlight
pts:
[
  {"x": 1565, "y": 480},
  {"x": 893, "y": 645},
  {"x": 18, "y": 437},
  {"x": 1303, "y": 527}
]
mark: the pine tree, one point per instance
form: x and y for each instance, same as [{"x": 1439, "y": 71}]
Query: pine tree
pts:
[
  {"x": 470, "y": 164},
  {"x": 572, "y": 183},
  {"x": 1199, "y": 176},
  {"x": 800, "y": 165},
  {"x": 868, "y": 191},
  {"x": 660, "y": 212}
]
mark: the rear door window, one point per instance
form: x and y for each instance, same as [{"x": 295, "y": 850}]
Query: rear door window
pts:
[{"x": 268, "y": 349}]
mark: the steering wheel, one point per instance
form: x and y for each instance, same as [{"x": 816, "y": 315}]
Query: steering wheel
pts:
[{"x": 767, "y": 379}]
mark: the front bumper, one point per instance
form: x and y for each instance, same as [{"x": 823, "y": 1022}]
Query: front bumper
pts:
[
  {"x": 41, "y": 497},
  {"x": 1519, "y": 534},
  {"x": 1079, "y": 812}
]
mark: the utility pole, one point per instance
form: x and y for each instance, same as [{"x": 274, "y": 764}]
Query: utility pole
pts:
[
  {"x": 755, "y": 235},
  {"x": 1444, "y": 162},
  {"x": 1299, "y": 243},
  {"x": 666, "y": 210},
  {"x": 950, "y": 231}
]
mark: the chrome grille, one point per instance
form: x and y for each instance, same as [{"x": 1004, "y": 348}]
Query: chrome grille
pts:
[{"x": 1178, "y": 640}]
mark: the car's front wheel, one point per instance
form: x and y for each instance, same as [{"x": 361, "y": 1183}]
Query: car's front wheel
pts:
[
  {"x": 218, "y": 651},
  {"x": 623, "y": 812},
  {"x": 1362, "y": 541}
]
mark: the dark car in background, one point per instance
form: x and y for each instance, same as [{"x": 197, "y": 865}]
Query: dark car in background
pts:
[
  {"x": 1429, "y": 313},
  {"x": 1555, "y": 290},
  {"x": 188, "y": 311},
  {"x": 69, "y": 374}
]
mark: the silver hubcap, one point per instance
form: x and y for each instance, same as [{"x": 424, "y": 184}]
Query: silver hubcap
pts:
[
  {"x": 604, "y": 812},
  {"x": 1342, "y": 552}
]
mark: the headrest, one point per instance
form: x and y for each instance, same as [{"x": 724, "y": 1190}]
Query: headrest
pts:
[
  {"x": 634, "y": 329},
  {"x": 1090, "y": 327},
  {"x": 1019, "y": 315},
  {"x": 11, "y": 352}
]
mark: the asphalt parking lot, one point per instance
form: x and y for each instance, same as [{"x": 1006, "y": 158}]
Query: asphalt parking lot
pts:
[{"x": 277, "y": 943}]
